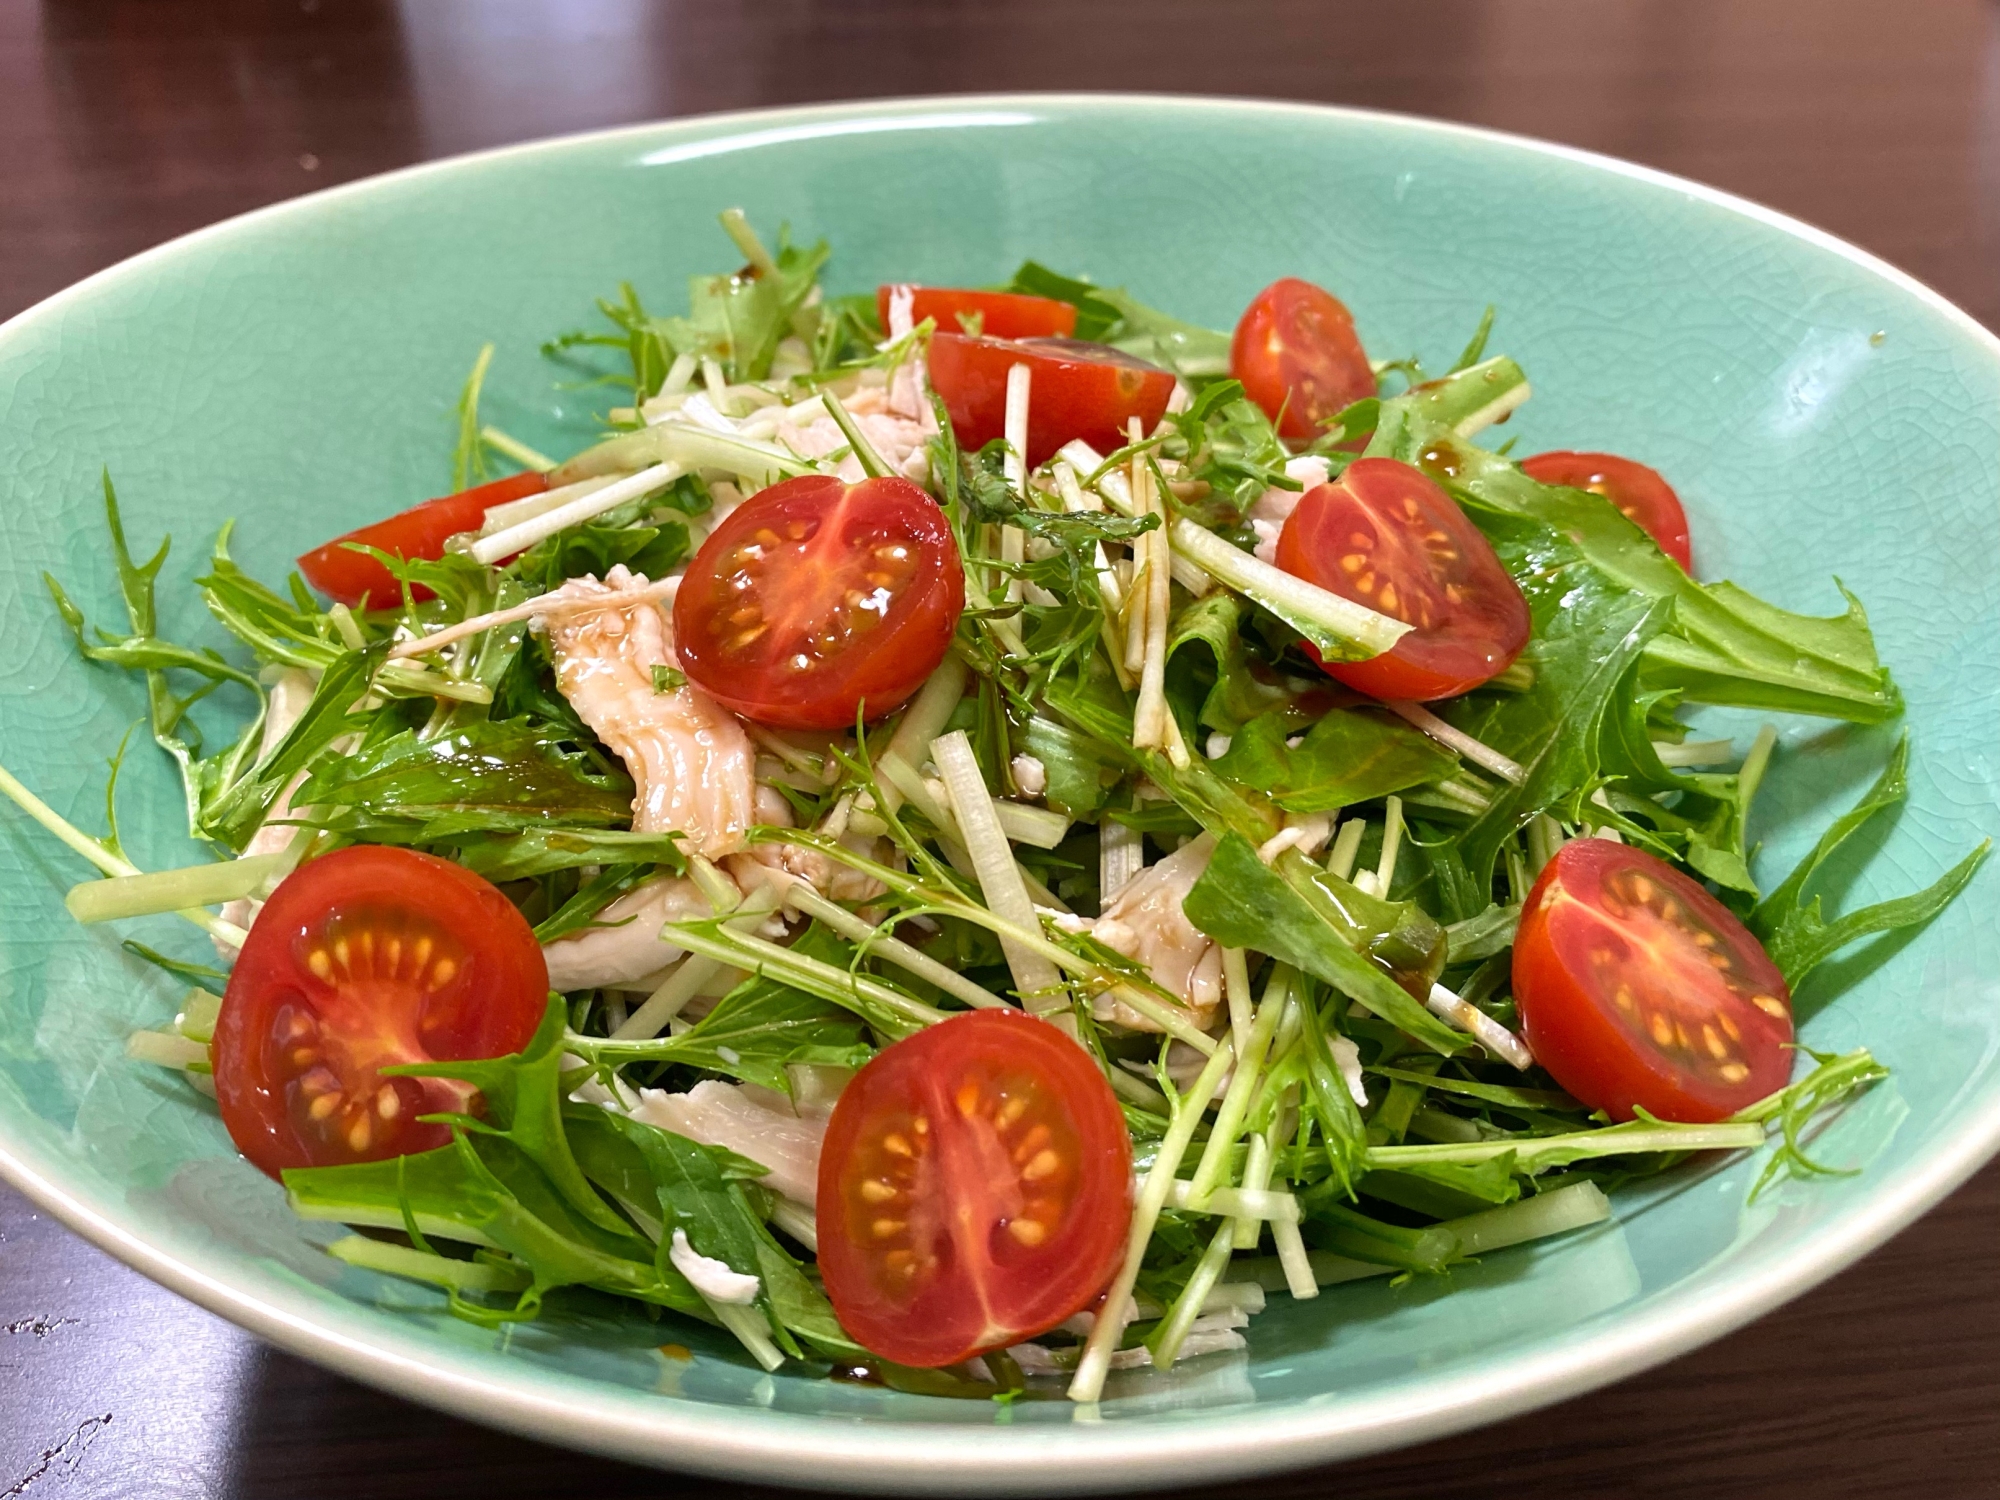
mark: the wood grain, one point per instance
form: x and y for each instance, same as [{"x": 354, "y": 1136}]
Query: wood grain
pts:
[{"x": 129, "y": 121}]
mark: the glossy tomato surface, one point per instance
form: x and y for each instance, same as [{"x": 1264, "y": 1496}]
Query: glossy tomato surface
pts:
[
  {"x": 355, "y": 578},
  {"x": 1639, "y": 990},
  {"x": 1641, "y": 493},
  {"x": 363, "y": 958},
  {"x": 1076, "y": 390},
  {"x": 1298, "y": 356},
  {"x": 816, "y": 599},
  {"x": 995, "y": 315},
  {"x": 1384, "y": 535},
  {"x": 975, "y": 1189}
]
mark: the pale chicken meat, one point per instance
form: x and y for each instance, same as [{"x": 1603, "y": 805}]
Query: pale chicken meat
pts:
[
  {"x": 895, "y": 418},
  {"x": 1145, "y": 922},
  {"x": 1269, "y": 511},
  {"x": 625, "y": 944},
  {"x": 770, "y": 1129},
  {"x": 693, "y": 764}
]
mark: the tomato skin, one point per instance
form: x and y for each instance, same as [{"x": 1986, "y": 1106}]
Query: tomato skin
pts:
[
  {"x": 1077, "y": 390},
  {"x": 1002, "y": 315},
  {"x": 1703, "y": 1028},
  {"x": 1643, "y": 494},
  {"x": 1410, "y": 537},
  {"x": 799, "y": 558},
  {"x": 365, "y": 957},
  {"x": 1298, "y": 356},
  {"x": 421, "y": 531},
  {"x": 923, "y": 1140}
]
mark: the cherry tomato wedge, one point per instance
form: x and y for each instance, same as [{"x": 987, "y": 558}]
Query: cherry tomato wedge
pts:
[
  {"x": 1384, "y": 535},
  {"x": 363, "y": 958},
  {"x": 1641, "y": 493},
  {"x": 1298, "y": 356},
  {"x": 421, "y": 531},
  {"x": 1077, "y": 390},
  {"x": 999, "y": 315},
  {"x": 815, "y": 599},
  {"x": 1639, "y": 990},
  {"x": 975, "y": 1189}
]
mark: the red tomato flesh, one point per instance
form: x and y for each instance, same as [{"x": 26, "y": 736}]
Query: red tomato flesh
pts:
[
  {"x": 1299, "y": 358},
  {"x": 1639, "y": 990},
  {"x": 1076, "y": 390},
  {"x": 355, "y": 578},
  {"x": 815, "y": 599},
  {"x": 1384, "y": 535},
  {"x": 364, "y": 958},
  {"x": 998, "y": 315},
  {"x": 975, "y": 1189},
  {"x": 1641, "y": 493}
]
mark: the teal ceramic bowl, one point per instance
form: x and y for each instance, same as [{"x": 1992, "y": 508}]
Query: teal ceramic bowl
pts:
[{"x": 1822, "y": 414}]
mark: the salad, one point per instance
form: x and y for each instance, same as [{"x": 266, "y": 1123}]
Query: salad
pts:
[{"x": 971, "y": 837}]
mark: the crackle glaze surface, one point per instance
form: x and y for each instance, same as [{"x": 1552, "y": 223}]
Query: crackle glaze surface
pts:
[{"x": 296, "y": 369}]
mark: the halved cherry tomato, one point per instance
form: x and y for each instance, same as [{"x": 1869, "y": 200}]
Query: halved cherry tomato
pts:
[
  {"x": 975, "y": 1189},
  {"x": 1298, "y": 356},
  {"x": 363, "y": 958},
  {"x": 1384, "y": 535},
  {"x": 1000, "y": 315},
  {"x": 817, "y": 598},
  {"x": 1641, "y": 493},
  {"x": 1639, "y": 990},
  {"x": 1077, "y": 390},
  {"x": 421, "y": 531}
]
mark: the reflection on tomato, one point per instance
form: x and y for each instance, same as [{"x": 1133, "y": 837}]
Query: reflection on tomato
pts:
[
  {"x": 816, "y": 599},
  {"x": 1639, "y": 990},
  {"x": 363, "y": 958},
  {"x": 1384, "y": 535},
  {"x": 975, "y": 1189}
]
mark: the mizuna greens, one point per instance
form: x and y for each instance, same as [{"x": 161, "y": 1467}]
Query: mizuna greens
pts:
[{"x": 1343, "y": 1090}]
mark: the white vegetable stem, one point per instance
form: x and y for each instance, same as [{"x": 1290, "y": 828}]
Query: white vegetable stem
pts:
[
  {"x": 1036, "y": 978},
  {"x": 546, "y": 604},
  {"x": 1121, "y": 855},
  {"x": 1475, "y": 1023},
  {"x": 1476, "y": 751},
  {"x": 99, "y": 855},
  {"x": 802, "y": 895},
  {"x": 690, "y": 974},
  {"x": 1109, "y": 1329},
  {"x": 922, "y": 722},
  {"x": 518, "y": 538},
  {"x": 170, "y": 890},
  {"x": 1314, "y": 611}
]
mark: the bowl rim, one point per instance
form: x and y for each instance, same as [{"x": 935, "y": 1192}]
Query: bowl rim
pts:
[{"x": 811, "y": 1451}]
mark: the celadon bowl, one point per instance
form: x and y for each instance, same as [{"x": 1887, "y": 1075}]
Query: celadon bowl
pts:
[{"x": 1823, "y": 416}]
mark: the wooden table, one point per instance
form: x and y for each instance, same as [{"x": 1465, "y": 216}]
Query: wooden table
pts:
[{"x": 127, "y": 121}]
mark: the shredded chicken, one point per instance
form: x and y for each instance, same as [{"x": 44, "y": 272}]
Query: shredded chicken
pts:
[
  {"x": 1144, "y": 921},
  {"x": 1269, "y": 512},
  {"x": 694, "y": 765},
  {"x": 604, "y": 955},
  {"x": 895, "y": 419},
  {"x": 757, "y": 1123}
]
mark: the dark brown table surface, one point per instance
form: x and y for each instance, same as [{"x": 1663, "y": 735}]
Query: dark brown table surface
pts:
[{"x": 124, "y": 122}]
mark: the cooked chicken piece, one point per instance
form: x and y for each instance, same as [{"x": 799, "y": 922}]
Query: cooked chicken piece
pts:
[
  {"x": 766, "y": 1127},
  {"x": 1269, "y": 512},
  {"x": 693, "y": 763},
  {"x": 895, "y": 419},
  {"x": 1144, "y": 921},
  {"x": 604, "y": 955}
]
